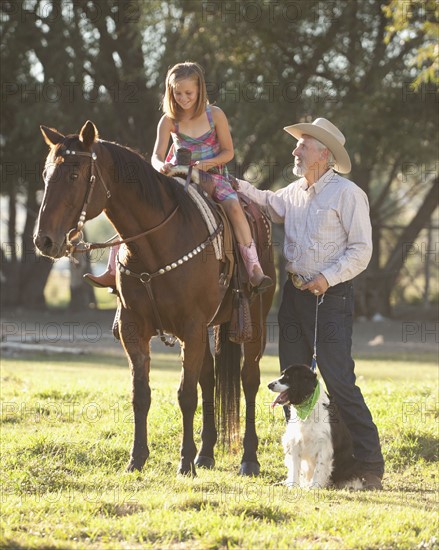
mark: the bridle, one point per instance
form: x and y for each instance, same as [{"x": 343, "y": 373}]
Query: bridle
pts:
[
  {"x": 75, "y": 236},
  {"x": 76, "y": 233}
]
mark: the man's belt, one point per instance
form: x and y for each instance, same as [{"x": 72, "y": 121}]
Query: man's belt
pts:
[{"x": 297, "y": 280}]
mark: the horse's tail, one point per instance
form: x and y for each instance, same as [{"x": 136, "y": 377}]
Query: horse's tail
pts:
[{"x": 227, "y": 386}]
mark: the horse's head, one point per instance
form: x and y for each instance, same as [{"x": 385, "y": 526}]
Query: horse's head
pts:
[{"x": 69, "y": 174}]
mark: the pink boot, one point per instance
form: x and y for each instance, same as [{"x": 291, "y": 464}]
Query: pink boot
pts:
[
  {"x": 251, "y": 261},
  {"x": 108, "y": 278}
]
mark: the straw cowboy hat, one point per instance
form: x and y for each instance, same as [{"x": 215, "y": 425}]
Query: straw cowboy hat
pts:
[{"x": 328, "y": 134}]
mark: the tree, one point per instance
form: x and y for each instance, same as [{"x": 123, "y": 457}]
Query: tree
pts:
[
  {"x": 406, "y": 19},
  {"x": 268, "y": 64},
  {"x": 306, "y": 59},
  {"x": 65, "y": 63}
]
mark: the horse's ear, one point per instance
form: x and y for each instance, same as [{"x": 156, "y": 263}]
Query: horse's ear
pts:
[
  {"x": 51, "y": 136},
  {"x": 88, "y": 134}
]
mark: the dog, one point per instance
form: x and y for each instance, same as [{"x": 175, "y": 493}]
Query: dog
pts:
[{"x": 317, "y": 443}]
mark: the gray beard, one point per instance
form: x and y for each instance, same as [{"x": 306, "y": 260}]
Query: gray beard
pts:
[{"x": 299, "y": 170}]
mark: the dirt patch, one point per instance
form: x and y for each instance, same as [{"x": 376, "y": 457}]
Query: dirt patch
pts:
[{"x": 57, "y": 331}]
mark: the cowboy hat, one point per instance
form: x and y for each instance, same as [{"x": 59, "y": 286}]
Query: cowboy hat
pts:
[{"x": 328, "y": 134}]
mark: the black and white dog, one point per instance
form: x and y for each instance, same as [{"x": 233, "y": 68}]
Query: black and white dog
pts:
[{"x": 317, "y": 442}]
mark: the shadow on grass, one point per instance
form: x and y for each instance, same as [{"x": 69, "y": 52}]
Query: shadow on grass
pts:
[
  {"x": 165, "y": 362},
  {"x": 412, "y": 449}
]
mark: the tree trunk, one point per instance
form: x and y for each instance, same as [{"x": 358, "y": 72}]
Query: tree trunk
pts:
[
  {"x": 82, "y": 296},
  {"x": 383, "y": 281},
  {"x": 34, "y": 269}
]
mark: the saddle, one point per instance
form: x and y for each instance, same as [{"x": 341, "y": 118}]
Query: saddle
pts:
[
  {"x": 234, "y": 271},
  {"x": 233, "y": 276}
]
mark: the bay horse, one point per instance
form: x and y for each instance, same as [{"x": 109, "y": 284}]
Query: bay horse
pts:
[{"x": 85, "y": 176}]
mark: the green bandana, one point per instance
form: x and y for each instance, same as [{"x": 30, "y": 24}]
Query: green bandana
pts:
[{"x": 306, "y": 408}]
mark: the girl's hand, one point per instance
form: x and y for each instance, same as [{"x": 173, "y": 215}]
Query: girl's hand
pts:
[
  {"x": 165, "y": 168},
  {"x": 204, "y": 166}
]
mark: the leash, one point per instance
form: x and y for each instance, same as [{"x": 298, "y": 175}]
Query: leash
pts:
[
  {"x": 319, "y": 302},
  {"x": 305, "y": 409}
]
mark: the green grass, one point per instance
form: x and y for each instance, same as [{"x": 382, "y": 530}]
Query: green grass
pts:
[
  {"x": 66, "y": 435},
  {"x": 57, "y": 292}
]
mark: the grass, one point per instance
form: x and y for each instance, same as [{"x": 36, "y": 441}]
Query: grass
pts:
[
  {"x": 66, "y": 435},
  {"x": 57, "y": 292}
]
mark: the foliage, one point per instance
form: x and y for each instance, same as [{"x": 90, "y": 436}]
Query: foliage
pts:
[
  {"x": 409, "y": 19},
  {"x": 64, "y": 485},
  {"x": 268, "y": 64}
]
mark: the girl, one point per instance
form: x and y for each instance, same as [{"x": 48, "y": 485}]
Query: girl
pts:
[{"x": 194, "y": 124}]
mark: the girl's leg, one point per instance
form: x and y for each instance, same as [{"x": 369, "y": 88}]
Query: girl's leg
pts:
[
  {"x": 246, "y": 244},
  {"x": 238, "y": 220},
  {"x": 108, "y": 278}
]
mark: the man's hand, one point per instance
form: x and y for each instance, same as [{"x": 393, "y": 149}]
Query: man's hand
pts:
[
  {"x": 317, "y": 286},
  {"x": 234, "y": 183}
]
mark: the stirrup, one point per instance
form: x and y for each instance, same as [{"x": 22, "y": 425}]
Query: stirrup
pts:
[
  {"x": 115, "y": 326},
  {"x": 265, "y": 284}
]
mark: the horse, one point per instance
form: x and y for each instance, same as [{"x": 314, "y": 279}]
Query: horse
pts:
[{"x": 167, "y": 281}]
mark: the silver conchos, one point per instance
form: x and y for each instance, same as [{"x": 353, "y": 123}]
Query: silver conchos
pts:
[{"x": 177, "y": 263}]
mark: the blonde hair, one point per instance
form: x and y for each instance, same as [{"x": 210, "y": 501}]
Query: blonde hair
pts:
[{"x": 178, "y": 72}]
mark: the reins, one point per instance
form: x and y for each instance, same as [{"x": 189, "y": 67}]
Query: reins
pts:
[
  {"x": 77, "y": 233},
  {"x": 111, "y": 242},
  {"x": 145, "y": 278}
]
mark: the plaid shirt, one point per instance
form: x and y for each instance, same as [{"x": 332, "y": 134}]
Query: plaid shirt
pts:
[
  {"x": 204, "y": 147},
  {"x": 327, "y": 226}
]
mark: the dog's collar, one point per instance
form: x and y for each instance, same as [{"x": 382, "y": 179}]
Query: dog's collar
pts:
[{"x": 305, "y": 409}]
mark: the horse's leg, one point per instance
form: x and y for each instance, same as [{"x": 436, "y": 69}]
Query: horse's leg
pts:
[
  {"x": 205, "y": 457},
  {"x": 250, "y": 376},
  {"x": 193, "y": 351},
  {"x": 135, "y": 340}
]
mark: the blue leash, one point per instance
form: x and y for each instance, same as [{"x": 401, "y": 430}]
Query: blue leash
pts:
[{"x": 319, "y": 301}]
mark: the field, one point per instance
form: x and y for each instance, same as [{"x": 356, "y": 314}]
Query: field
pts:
[{"x": 66, "y": 435}]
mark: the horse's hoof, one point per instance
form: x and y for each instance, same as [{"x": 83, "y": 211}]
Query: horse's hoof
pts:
[
  {"x": 137, "y": 463},
  {"x": 134, "y": 466},
  {"x": 187, "y": 470},
  {"x": 251, "y": 469},
  {"x": 205, "y": 462}
]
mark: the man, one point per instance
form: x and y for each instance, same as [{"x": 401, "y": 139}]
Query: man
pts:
[{"x": 327, "y": 243}]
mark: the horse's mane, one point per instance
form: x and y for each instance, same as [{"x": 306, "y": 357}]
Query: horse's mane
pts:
[{"x": 133, "y": 170}]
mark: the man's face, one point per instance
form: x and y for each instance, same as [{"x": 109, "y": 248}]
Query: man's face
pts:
[{"x": 308, "y": 157}]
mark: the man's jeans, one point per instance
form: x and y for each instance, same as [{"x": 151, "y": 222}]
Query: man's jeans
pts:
[{"x": 334, "y": 341}]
